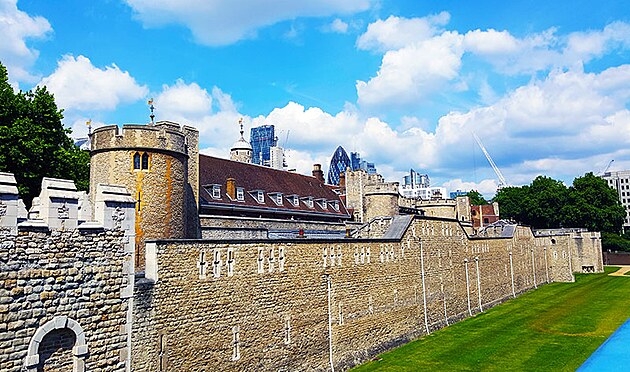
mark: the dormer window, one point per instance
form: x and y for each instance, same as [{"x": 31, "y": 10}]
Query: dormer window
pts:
[
  {"x": 294, "y": 199},
  {"x": 240, "y": 194},
  {"x": 308, "y": 201},
  {"x": 260, "y": 196},
  {"x": 276, "y": 197},
  {"x": 335, "y": 205},
  {"x": 322, "y": 203},
  {"x": 216, "y": 192}
]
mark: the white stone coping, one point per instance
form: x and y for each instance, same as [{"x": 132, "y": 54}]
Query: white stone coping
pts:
[
  {"x": 8, "y": 185},
  {"x": 113, "y": 193}
]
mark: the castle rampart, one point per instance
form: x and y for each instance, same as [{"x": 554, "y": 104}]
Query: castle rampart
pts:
[
  {"x": 269, "y": 305},
  {"x": 66, "y": 287}
]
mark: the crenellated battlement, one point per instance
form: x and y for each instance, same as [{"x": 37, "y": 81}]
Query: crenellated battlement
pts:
[{"x": 163, "y": 136}]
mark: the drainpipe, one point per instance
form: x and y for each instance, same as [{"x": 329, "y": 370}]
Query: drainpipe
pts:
[
  {"x": 424, "y": 288},
  {"x": 467, "y": 286},
  {"x": 330, "y": 345},
  {"x": 478, "y": 284},
  {"x": 512, "y": 274}
]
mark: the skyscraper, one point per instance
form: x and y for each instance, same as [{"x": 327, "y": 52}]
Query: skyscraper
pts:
[
  {"x": 262, "y": 139},
  {"x": 338, "y": 164}
]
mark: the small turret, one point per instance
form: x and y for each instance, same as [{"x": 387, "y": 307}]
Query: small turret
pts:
[{"x": 241, "y": 150}]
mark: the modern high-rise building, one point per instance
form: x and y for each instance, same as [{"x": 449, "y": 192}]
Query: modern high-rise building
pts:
[
  {"x": 357, "y": 163},
  {"x": 338, "y": 164},
  {"x": 418, "y": 186},
  {"x": 620, "y": 181},
  {"x": 262, "y": 139}
]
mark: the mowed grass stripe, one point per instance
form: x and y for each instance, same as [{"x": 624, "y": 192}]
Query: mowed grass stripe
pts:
[{"x": 554, "y": 328}]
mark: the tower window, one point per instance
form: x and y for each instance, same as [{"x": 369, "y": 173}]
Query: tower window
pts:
[
  {"x": 145, "y": 161},
  {"x": 140, "y": 161},
  {"x": 136, "y": 161}
]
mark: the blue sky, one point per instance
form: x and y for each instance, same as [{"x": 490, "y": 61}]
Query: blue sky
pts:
[{"x": 545, "y": 85}]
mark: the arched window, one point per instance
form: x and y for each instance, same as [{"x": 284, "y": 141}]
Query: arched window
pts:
[
  {"x": 136, "y": 160},
  {"x": 145, "y": 161}
]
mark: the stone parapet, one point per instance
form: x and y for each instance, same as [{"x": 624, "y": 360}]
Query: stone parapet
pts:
[{"x": 166, "y": 136}]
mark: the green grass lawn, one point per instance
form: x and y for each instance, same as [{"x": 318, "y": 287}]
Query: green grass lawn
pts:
[{"x": 553, "y": 328}]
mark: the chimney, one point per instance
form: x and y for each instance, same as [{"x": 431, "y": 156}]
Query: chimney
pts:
[
  {"x": 318, "y": 173},
  {"x": 230, "y": 188}
]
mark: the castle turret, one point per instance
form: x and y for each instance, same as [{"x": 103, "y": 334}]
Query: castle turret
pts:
[
  {"x": 241, "y": 150},
  {"x": 159, "y": 166}
]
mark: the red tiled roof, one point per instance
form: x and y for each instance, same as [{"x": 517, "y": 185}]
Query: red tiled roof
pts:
[{"x": 251, "y": 177}]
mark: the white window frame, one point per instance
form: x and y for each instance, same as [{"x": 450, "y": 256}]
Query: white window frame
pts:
[
  {"x": 216, "y": 191},
  {"x": 240, "y": 194}
]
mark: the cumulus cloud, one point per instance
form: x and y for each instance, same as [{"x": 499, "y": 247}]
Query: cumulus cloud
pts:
[
  {"x": 409, "y": 74},
  {"x": 487, "y": 187},
  {"x": 226, "y": 22},
  {"x": 16, "y": 27},
  {"x": 79, "y": 85},
  {"x": 420, "y": 58},
  {"x": 397, "y": 32}
]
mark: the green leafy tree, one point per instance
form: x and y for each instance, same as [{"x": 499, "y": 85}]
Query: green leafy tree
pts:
[
  {"x": 476, "y": 198},
  {"x": 548, "y": 203},
  {"x": 33, "y": 141},
  {"x": 594, "y": 205}
]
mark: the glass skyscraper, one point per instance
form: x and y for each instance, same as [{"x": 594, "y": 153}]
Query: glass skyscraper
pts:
[{"x": 262, "y": 139}]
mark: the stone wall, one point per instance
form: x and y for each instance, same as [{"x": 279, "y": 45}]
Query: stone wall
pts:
[
  {"x": 66, "y": 287},
  {"x": 302, "y": 305}
]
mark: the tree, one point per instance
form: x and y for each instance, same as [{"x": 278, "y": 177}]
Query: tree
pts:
[
  {"x": 594, "y": 205},
  {"x": 476, "y": 198},
  {"x": 33, "y": 141},
  {"x": 548, "y": 203}
]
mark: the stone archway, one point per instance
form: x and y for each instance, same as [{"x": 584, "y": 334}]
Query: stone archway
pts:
[{"x": 79, "y": 351}]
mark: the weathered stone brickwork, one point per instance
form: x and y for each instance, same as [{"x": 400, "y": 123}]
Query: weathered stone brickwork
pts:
[
  {"x": 74, "y": 274},
  {"x": 300, "y": 304}
]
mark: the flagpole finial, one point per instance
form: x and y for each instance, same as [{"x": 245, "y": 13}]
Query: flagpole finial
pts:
[{"x": 151, "y": 107}]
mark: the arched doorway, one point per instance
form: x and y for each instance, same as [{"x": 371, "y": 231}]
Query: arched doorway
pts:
[{"x": 57, "y": 345}]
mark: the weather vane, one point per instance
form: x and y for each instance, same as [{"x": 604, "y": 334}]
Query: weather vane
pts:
[
  {"x": 151, "y": 107},
  {"x": 89, "y": 125},
  {"x": 240, "y": 121}
]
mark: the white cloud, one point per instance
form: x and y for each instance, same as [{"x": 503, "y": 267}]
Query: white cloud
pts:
[
  {"x": 16, "y": 27},
  {"x": 184, "y": 100},
  {"x": 397, "y": 32},
  {"x": 409, "y": 74},
  {"x": 490, "y": 42},
  {"x": 339, "y": 26},
  {"x": 226, "y": 22},
  {"x": 79, "y": 85}
]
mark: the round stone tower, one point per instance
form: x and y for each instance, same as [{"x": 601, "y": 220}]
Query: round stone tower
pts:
[{"x": 159, "y": 165}]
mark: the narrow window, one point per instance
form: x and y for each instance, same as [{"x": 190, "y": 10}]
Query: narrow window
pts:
[
  {"x": 279, "y": 199},
  {"x": 356, "y": 256},
  {"x": 271, "y": 260},
  {"x": 216, "y": 264},
  {"x": 362, "y": 254},
  {"x": 296, "y": 201},
  {"x": 367, "y": 255},
  {"x": 236, "y": 341},
  {"x": 136, "y": 161},
  {"x": 339, "y": 255},
  {"x": 332, "y": 256},
  {"x": 261, "y": 197},
  {"x": 281, "y": 258},
  {"x": 145, "y": 161},
  {"x": 382, "y": 255},
  {"x": 261, "y": 261},
  {"x": 230, "y": 261},
  {"x": 202, "y": 265},
  {"x": 287, "y": 330},
  {"x": 325, "y": 256}
]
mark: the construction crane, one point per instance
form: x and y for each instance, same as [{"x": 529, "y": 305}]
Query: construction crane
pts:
[
  {"x": 502, "y": 181},
  {"x": 607, "y": 168}
]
